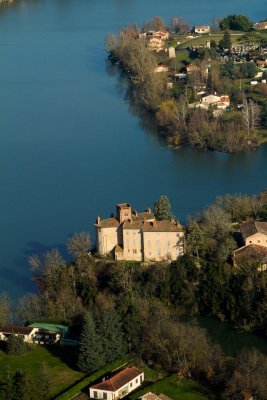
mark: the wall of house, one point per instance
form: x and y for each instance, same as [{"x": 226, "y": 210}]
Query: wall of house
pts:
[
  {"x": 122, "y": 392},
  {"x": 106, "y": 240},
  {"x": 132, "y": 244},
  {"x": 159, "y": 246},
  {"x": 258, "y": 238}
]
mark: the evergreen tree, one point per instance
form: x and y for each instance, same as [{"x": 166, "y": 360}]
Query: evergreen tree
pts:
[
  {"x": 162, "y": 208},
  {"x": 195, "y": 239},
  {"x": 43, "y": 383},
  {"x": 226, "y": 43},
  {"x": 110, "y": 332},
  {"x": 7, "y": 389},
  {"x": 15, "y": 345},
  {"x": 91, "y": 357},
  {"x": 23, "y": 386}
]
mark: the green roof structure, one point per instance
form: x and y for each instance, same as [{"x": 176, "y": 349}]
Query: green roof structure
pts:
[{"x": 55, "y": 328}]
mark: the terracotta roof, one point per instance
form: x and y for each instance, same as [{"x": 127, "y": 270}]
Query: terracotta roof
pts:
[
  {"x": 118, "y": 380},
  {"x": 202, "y": 27},
  {"x": 150, "y": 396},
  {"x": 250, "y": 228},
  {"x": 252, "y": 251},
  {"x": 12, "y": 329},
  {"x": 131, "y": 224},
  {"x": 162, "y": 226},
  {"x": 144, "y": 216},
  {"x": 108, "y": 223}
]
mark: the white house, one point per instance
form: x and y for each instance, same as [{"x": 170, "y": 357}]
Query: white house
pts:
[
  {"x": 26, "y": 332},
  {"x": 118, "y": 385},
  {"x": 202, "y": 29}
]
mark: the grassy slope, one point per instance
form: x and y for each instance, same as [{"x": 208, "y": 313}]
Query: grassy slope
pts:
[
  {"x": 62, "y": 375},
  {"x": 184, "y": 390}
]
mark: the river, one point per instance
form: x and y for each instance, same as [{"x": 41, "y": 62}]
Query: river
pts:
[{"x": 71, "y": 148}]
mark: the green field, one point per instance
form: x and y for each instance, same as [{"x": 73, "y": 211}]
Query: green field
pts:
[
  {"x": 176, "y": 390},
  {"x": 61, "y": 372}
]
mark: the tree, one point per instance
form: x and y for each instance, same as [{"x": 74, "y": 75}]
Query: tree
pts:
[
  {"x": 236, "y": 23},
  {"x": 7, "y": 391},
  {"x": 250, "y": 116},
  {"x": 23, "y": 386},
  {"x": 226, "y": 43},
  {"x": 5, "y": 308},
  {"x": 79, "y": 244},
  {"x": 162, "y": 208},
  {"x": 91, "y": 357},
  {"x": 15, "y": 345},
  {"x": 43, "y": 383},
  {"x": 110, "y": 333},
  {"x": 179, "y": 25},
  {"x": 194, "y": 239},
  {"x": 157, "y": 23}
]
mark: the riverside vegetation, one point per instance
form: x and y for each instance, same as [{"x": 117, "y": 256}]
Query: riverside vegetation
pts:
[
  {"x": 168, "y": 99},
  {"x": 120, "y": 308}
]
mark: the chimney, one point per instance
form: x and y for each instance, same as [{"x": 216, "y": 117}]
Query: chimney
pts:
[{"x": 98, "y": 220}]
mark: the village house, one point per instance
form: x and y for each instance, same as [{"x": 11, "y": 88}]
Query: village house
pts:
[
  {"x": 118, "y": 385},
  {"x": 202, "y": 29},
  {"x": 153, "y": 396},
  {"x": 254, "y": 236},
  {"x": 138, "y": 236},
  {"x": 260, "y": 25},
  {"x": 26, "y": 332}
]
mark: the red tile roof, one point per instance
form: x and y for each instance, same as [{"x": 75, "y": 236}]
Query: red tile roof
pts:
[
  {"x": 250, "y": 252},
  {"x": 108, "y": 223},
  {"x": 118, "y": 380},
  {"x": 162, "y": 226}
]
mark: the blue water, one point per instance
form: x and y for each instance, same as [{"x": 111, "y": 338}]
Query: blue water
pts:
[{"x": 71, "y": 146}]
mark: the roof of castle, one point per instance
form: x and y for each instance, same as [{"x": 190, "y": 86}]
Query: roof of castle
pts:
[
  {"x": 108, "y": 223},
  {"x": 118, "y": 380},
  {"x": 162, "y": 226},
  {"x": 250, "y": 228}
]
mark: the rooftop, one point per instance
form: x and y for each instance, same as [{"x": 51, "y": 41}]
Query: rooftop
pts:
[
  {"x": 118, "y": 380},
  {"x": 250, "y": 252},
  {"x": 250, "y": 228},
  {"x": 19, "y": 330}
]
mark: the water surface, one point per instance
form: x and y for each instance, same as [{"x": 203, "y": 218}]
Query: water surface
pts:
[{"x": 70, "y": 148}]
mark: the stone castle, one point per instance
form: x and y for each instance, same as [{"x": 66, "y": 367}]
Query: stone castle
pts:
[{"x": 138, "y": 236}]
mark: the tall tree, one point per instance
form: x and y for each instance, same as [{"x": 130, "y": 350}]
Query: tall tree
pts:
[
  {"x": 226, "y": 43},
  {"x": 110, "y": 333},
  {"x": 162, "y": 208},
  {"x": 5, "y": 308},
  {"x": 91, "y": 357}
]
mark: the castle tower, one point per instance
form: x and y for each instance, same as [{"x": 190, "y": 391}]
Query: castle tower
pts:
[{"x": 124, "y": 211}]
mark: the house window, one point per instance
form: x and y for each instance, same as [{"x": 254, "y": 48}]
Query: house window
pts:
[
  {"x": 259, "y": 241},
  {"x": 126, "y": 214},
  {"x": 131, "y": 384},
  {"x": 250, "y": 241},
  {"x": 128, "y": 250},
  {"x": 95, "y": 395},
  {"x": 136, "y": 381},
  {"x": 105, "y": 395},
  {"x": 134, "y": 251},
  {"x": 141, "y": 378}
]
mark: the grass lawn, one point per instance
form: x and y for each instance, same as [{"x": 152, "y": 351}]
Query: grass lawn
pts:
[
  {"x": 184, "y": 390},
  {"x": 62, "y": 375}
]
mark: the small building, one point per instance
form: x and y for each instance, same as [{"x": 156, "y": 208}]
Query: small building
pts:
[
  {"x": 260, "y": 25},
  {"x": 26, "y": 332},
  {"x": 171, "y": 52},
  {"x": 251, "y": 253},
  {"x": 161, "y": 68},
  {"x": 153, "y": 396},
  {"x": 254, "y": 232},
  {"x": 201, "y": 29},
  {"x": 48, "y": 333},
  {"x": 118, "y": 385}
]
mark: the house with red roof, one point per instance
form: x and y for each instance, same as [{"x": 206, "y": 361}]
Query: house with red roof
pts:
[{"x": 118, "y": 385}]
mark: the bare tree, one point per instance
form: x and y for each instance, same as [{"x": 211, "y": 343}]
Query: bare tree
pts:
[
  {"x": 79, "y": 244},
  {"x": 179, "y": 25}
]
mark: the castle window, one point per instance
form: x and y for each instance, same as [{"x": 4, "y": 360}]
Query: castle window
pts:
[
  {"x": 126, "y": 214},
  {"x": 134, "y": 251}
]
